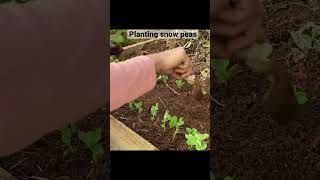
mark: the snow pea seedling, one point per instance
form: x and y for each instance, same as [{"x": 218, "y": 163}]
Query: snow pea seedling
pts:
[
  {"x": 166, "y": 118},
  {"x": 164, "y": 78},
  {"x": 179, "y": 83},
  {"x": 139, "y": 107},
  {"x": 196, "y": 140},
  {"x": 154, "y": 111},
  {"x": 176, "y": 123}
]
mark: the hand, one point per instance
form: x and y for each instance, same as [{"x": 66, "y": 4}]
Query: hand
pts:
[
  {"x": 174, "y": 62},
  {"x": 237, "y": 24}
]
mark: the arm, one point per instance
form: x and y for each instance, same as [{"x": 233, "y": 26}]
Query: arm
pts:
[
  {"x": 52, "y": 67},
  {"x": 131, "y": 79}
]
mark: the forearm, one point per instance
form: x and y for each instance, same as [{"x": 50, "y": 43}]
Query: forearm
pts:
[
  {"x": 52, "y": 69},
  {"x": 131, "y": 79}
]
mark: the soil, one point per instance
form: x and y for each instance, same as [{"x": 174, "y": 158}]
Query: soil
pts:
[
  {"x": 46, "y": 158},
  {"x": 246, "y": 142},
  {"x": 195, "y": 112}
]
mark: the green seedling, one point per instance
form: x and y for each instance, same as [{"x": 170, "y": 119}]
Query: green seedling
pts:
[
  {"x": 196, "y": 140},
  {"x": 139, "y": 107},
  {"x": 300, "y": 96},
  {"x": 131, "y": 105},
  {"x": 119, "y": 37},
  {"x": 67, "y": 134},
  {"x": 92, "y": 140},
  {"x": 164, "y": 78},
  {"x": 179, "y": 83},
  {"x": 166, "y": 118},
  {"x": 154, "y": 111},
  {"x": 307, "y": 37},
  {"x": 177, "y": 123},
  {"x": 221, "y": 71}
]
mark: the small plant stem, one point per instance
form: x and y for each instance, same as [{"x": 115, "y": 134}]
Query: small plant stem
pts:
[
  {"x": 162, "y": 103},
  {"x": 217, "y": 102},
  {"x": 172, "y": 89}
]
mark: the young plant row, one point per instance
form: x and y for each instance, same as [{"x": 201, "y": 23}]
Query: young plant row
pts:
[{"x": 194, "y": 139}]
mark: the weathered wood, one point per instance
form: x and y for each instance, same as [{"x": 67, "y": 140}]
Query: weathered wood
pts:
[
  {"x": 4, "y": 175},
  {"x": 123, "y": 138},
  {"x": 135, "y": 47}
]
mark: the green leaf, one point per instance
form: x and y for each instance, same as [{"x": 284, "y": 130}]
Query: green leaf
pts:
[
  {"x": 117, "y": 38},
  {"x": 97, "y": 151},
  {"x": 173, "y": 121},
  {"x": 191, "y": 140},
  {"x": 66, "y": 136},
  {"x": 189, "y": 130},
  {"x": 303, "y": 41},
  {"x": 301, "y": 97},
  {"x": 131, "y": 105},
  {"x": 179, "y": 83},
  {"x": 90, "y": 138},
  {"x": 221, "y": 71},
  {"x": 154, "y": 110},
  {"x": 180, "y": 122}
]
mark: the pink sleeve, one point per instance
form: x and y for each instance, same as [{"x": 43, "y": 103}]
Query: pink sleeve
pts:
[{"x": 131, "y": 79}]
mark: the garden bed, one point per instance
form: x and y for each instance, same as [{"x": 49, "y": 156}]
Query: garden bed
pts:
[
  {"x": 47, "y": 158},
  {"x": 247, "y": 143},
  {"x": 194, "y": 112}
]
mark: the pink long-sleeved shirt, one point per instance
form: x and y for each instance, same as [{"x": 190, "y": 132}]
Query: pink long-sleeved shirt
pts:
[{"x": 131, "y": 79}]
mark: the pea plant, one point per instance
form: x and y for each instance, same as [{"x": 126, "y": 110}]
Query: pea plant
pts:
[
  {"x": 67, "y": 135},
  {"x": 131, "y": 106},
  {"x": 307, "y": 37},
  {"x": 119, "y": 37},
  {"x": 176, "y": 123},
  {"x": 301, "y": 96},
  {"x": 196, "y": 140},
  {"x": 163, "y": 78},
  {"x": 173, "y": 121},
  {"x": 92, "y": 140},
  {"x": 154, "y": 111},
  {"x": 139, "y": 107},
  {"x": 166, "y": 118},
  {"x": 179, "y": 83},
  {"x": 221, "y": 70}
]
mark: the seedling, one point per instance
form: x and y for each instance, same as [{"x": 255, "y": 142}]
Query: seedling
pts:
[
  {"x": 300, "y": 96},
  {"x": 177, "y": 123},
  {"x": 179, "y": 83},
  {"x": 221, "y": 71},
  {"x": 166, "y": 118},
  {"x": 154, "y": 111},
  {"x": 131, "y": 105},
  {"x": 92, "y": 141},
  {"x": 119, "y": 37},
  {"x": 139, "y": 107},
  {"x": 196, "y": 140},
  {"x": 164, "y": 78},
  {"x": 307, "y": 37},
  {"x": 67, "y": 134}
]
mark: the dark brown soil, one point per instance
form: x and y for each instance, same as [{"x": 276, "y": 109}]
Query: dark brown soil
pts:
[
  {"x": 246, "y": 142},
  {"x": 46, "y": 158},
  {"x": 195, "y": 113}
]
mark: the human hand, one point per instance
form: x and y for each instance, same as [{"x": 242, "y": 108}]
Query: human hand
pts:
[
  {"x": 237, "y": 24},
  {"x": 174, "y": 62}
]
